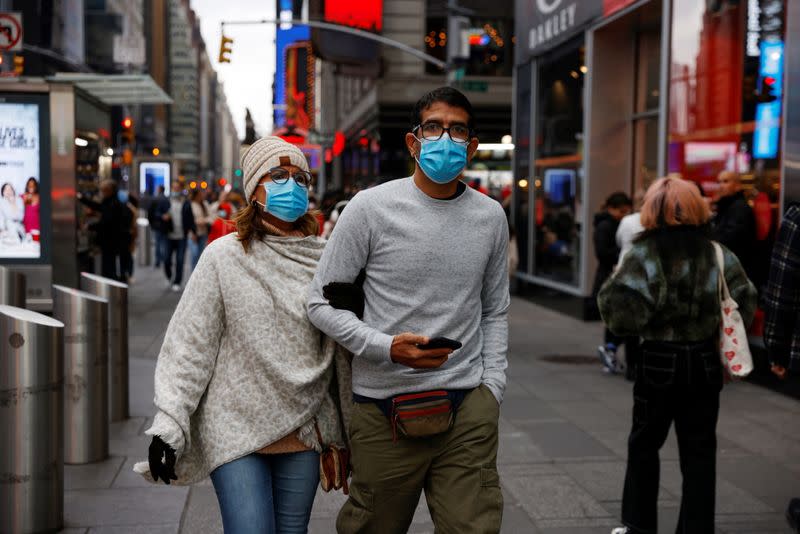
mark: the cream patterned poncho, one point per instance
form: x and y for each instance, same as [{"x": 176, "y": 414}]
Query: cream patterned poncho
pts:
[{"x": 241, "y": 365}]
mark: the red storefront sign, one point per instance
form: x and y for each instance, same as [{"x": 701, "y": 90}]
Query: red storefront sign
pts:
[{"x": 612, "y": 6}]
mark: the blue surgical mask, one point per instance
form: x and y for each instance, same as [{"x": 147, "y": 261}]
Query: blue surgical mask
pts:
[
  {"x": 442, "y": 160},
  {"x": 122, "y": 195},
  {"x": 288, "y": 201}
]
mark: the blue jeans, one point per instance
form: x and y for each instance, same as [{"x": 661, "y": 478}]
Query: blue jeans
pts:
[
  {"x": 267, "y": 493},
  {"x": 161, "y": 246},
  {"x": 196, "y": 248}
]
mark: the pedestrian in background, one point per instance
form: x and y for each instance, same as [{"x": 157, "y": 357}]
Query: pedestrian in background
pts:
[
  {"x": 113, "y": 228},
  {"x": 222, "y": 225},
  {"x": 32, "y": 201},
  {"x": 180, "y": 221},
  {"x": 630, "y": 227},
  {"x": 734, "y": 224},
  {"x": 666, "y": 292},
  {"x": 158, "y": 207},
  {"x": 782, "y": 309},
  {"x": 202, "y": 221},
  {"x": 606, "y": 223},
  {"x": 242, "y": 384}
]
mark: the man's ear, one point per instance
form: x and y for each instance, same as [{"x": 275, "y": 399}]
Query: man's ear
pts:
[
  {"x": 412, "y": 144},
  {"x": 472, "y": 148}
]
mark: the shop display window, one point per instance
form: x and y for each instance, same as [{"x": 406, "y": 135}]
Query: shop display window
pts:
[
  {"x": 522, "y": 113},
  {"x": 558, "y": 166},
  {"x": 726, "y": 81}
]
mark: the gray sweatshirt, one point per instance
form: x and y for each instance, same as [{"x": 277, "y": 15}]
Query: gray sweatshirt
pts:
[{"x": 434, "y": 268}]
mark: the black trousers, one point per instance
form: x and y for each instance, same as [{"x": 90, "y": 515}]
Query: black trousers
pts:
[
  {"x": 109, "y": 255},
  {"x": 677, "y": 383},
  {"x": 178, "y": 248}
]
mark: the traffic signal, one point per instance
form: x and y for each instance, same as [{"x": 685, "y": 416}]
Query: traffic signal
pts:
[
  {"x": 225, "y": 49},
  {"x": 156, "y": 151},
  {"x": 19, "y": 64},
  {"x": 238, "y": 173},
  {"x": 127, "y": 130},
  {"x": 767, "y": 92}
]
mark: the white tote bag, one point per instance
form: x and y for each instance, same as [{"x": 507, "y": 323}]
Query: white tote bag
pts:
[{"x": 733, "y": 347}]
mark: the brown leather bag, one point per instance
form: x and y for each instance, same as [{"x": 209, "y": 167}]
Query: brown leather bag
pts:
[{"x": 334, "y": 465}]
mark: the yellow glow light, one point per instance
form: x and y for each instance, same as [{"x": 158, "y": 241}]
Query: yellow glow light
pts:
[{"x": 523, "y": 183}]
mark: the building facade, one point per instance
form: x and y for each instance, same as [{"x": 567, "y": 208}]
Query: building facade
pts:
[{"x": 611, "y": 94}]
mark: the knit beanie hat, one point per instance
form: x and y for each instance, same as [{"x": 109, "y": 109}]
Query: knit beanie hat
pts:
[{"x": 265, "y": 154}]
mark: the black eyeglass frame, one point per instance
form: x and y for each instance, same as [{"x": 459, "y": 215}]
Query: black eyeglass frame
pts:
[
  {"x": 470, "y": 132},
  {"x": 284, "y": 176}
]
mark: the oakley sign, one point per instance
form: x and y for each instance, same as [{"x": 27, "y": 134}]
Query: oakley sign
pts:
[{"x": 547, "y": 23}]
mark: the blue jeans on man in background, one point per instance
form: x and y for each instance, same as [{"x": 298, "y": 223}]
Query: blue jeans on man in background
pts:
[
  {"x": 161, "y": 247},
  {"x": 196, "y": 248},
  {"x": 177, "y": 247},
  {"x": 267, "y": 492}
]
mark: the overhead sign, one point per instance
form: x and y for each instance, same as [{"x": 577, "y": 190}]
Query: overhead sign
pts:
[
  {"x": 543, "y": 24},
  {"x": 11, "y": 31}
]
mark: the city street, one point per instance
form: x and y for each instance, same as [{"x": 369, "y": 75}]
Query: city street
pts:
[{"x": 564, "y": 426}]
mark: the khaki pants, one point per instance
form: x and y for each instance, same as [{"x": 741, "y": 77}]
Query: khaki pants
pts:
[{"x": 457, "y": 470}]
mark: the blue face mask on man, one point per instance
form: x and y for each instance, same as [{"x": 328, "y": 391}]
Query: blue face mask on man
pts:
[
  {"x": 442, "y": 160},
  {"x": 288, "y": 201}
]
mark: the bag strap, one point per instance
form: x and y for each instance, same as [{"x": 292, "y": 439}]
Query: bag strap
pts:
[{"x": 722, "y": 284}]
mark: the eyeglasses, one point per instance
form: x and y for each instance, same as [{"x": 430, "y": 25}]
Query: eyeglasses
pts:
[
  {"x": 433, "y": 131},
  {"x": 280, "y": 175}
]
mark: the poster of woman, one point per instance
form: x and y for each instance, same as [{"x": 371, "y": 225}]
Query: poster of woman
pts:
[{"x": 20, "y": 181}]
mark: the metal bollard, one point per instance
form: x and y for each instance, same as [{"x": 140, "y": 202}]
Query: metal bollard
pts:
[
  {"x": 85, "y": 318},
  {"x": 32, "y": 422},
  {"x": 12, "y": 287},
  {"x": 144, "y": 244},
  {"x": 116, "y": 293}
]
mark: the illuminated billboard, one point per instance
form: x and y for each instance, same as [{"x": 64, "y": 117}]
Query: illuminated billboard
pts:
[
  {"x": 363, "y": 14},
  {"x": 24, "y": 184},
  {"x": 153, "y": 174},
  {"x": 299, "y": 90},
  {"x": 286, "y": 35}
]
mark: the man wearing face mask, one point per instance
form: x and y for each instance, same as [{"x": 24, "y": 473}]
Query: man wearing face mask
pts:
[{"x": 434, "y": 252}]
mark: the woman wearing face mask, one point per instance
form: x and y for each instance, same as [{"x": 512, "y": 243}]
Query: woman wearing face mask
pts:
[{"x": 242, "y": 381}]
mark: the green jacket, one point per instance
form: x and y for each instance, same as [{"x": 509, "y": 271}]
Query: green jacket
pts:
[{"x": 666, "y": 288}]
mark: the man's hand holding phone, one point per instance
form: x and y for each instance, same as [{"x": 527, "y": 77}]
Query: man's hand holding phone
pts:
[{"x": 417, "y": 351}]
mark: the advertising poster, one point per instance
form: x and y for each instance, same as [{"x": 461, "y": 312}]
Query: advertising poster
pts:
[
  {"x": 20, "y": 181},
  {"x": 151, "y": 175}
]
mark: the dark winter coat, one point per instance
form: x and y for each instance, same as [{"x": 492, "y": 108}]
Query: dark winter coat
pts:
[
  {"x": 666, "y": 288},
  {"x": 605, "y": 247},
  {"x": 114, "y": 227},
  {"x": 735, "y": 227}
]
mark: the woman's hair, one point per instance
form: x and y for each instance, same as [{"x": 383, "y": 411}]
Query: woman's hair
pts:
[
  {"x": 35, "y": 185},
  {"x": 674, "y": 202},
  {"x": 250, "y": 225},
  {"x": 194, "y": 196},
  {"x": 3, "y": 189}
]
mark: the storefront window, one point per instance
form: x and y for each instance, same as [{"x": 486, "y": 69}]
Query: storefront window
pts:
[
  {"x": 725, "y": 103},
  {"x": 646, "y": 112},
  {"x": 558, "y": 171},
  {"x": 522, "y": 169}
]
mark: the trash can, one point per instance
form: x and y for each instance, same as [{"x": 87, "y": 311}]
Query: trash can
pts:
[
  {"x": 85, "y": 318},
  {"x": 31, "y": 422},
  {"x": 116, "y": 293},
  {"x": 144, "y": 242},
  {"x": 12, "y": 287}
]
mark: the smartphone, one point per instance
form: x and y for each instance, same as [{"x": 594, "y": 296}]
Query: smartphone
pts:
[{"x": 440, "y": 343}]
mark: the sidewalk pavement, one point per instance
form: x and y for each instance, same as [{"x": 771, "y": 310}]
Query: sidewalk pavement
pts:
[{"x": 564, "y": 429}]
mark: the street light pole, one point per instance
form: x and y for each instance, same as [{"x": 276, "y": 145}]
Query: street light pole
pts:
[{"x": 457, "y": 22}]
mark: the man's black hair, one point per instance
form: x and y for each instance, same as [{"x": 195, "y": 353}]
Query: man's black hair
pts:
[
  {"x": 448, "y": 95},
  {"x": 618, "y": 200}
]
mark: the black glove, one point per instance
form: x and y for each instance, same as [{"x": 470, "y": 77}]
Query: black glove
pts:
[
  {"x": 165, "y": 469},
  {"x": 347, "y": 296}
]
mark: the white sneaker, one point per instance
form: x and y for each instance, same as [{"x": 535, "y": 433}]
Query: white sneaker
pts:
[
  {"x": 176, "y": 288},
  {"x": 620, "y": 530},
  {"x": 609, "y": 360}
]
